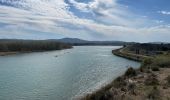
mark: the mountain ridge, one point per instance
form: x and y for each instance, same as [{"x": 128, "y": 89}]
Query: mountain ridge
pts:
[{"x": 77, "y": 41}]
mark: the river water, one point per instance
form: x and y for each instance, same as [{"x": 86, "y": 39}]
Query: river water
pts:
[{"x": 59, "y": 75}]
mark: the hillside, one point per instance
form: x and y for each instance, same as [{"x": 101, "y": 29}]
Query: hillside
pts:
[{"x": 77, "y": 42}]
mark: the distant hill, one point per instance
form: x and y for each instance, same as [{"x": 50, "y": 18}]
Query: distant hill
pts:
[
  {"x": 159, "y": 43},
  {"x": 72, "y": 40},
  {"x": 76, "y": 41}
]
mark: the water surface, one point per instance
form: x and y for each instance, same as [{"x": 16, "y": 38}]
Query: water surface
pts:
[{"x": 59, "y": 75}]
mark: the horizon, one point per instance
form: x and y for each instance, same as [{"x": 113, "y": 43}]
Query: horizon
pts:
[
  {"x": 93, "y": 20},
  {"x": 84, "y": 40}
]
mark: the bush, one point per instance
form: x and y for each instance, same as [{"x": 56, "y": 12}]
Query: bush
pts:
[
  {"x": 102, "y": 94},
  {"x": 130, "y": 72},
  {"x": 162, "y": 61},
  {"x": 147, "y": 61},
  {"x": 168, "y": 79},
  {"x": 119, "y": 82},
  {"x": 154, "y": 94},
  {"x": 131, "y": 88},
  {"x": 152, "y": 80},
  {"x": 155, "y": 68}
]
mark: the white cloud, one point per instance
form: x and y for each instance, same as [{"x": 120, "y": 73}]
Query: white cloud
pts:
[{"x": 164, "y": 12}]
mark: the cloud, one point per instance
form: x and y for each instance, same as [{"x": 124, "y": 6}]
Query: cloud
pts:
[
  {"x": 36, "y": 19},
  {"x": 104, "y": 11},
  {"x": 164, "y": 12}
]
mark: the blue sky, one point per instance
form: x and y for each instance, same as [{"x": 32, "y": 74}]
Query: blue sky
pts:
[{"x": 125, "y": 20}]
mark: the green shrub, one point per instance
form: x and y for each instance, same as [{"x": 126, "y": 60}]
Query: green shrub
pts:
[
  {"x": 130, "y": 72},
  {"x": 147, "y": 61}
]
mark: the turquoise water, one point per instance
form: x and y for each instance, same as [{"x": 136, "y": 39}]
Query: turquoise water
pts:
[{"x": 59, "y": 75}]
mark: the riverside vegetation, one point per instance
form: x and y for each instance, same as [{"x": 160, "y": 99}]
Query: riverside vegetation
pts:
[
  {"x": 8, "y": 46},
  {"x": 150, "y": 82}
]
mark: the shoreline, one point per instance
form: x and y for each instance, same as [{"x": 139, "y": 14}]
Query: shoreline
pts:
[
  {"x": 130, "y": 56},
  {"x": 103, "y": 89},
  {"x": 136, "y": 79},
  {"x": 20, "y": 52},
  {"x": 8, "y": 53}
]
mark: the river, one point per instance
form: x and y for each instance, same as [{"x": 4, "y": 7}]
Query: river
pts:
[{"x": 59, "y": 75}]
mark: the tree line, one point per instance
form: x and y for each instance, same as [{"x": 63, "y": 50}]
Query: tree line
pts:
[
  {"x": 7, "y": 45},
  {"x": 151, "y": 47}
]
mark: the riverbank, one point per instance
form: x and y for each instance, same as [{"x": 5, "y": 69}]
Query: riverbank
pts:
[
  {"x": 7, "y": 53},
  {"x": 150, "y": 82},
  {"x": 14, "y": 46},
  {"x": 21, "y": 52},
  {"x": 131, "y": 56}
]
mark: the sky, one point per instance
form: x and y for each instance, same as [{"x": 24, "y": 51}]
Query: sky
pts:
[{"x": 122, "y": 20}]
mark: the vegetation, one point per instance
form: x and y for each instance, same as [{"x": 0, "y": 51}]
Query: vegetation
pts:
[
  {"x": 119, "y": 82},
  {"x": 31, "y": 45},
  {"x": 154, "y": 94},
  {"x": 80, "y": 42},
  {"x": 101, "y": 94},
  {"x": 151, "y": 80},
  {"x": 162, "y": 61},
  {"x": 147, "y": 62},
  {"x": 148, "y": 49},
  {"x": 155, "y": 68},
  {"x": 108, "y": 92},
  {"x": 168, "y": 80},
  {"x": 130, "y": 72}
]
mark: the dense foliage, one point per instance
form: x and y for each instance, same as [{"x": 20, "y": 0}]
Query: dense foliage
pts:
[
  {"x": 148, "y": 49},
  {"x": 151, "y": 47},
  {"x": 31, "y": 45}
]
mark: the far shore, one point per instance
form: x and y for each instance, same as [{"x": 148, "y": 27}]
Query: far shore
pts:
[
  {"x": 21, "y": 52},
  {"x": 8, "y": 53}
]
